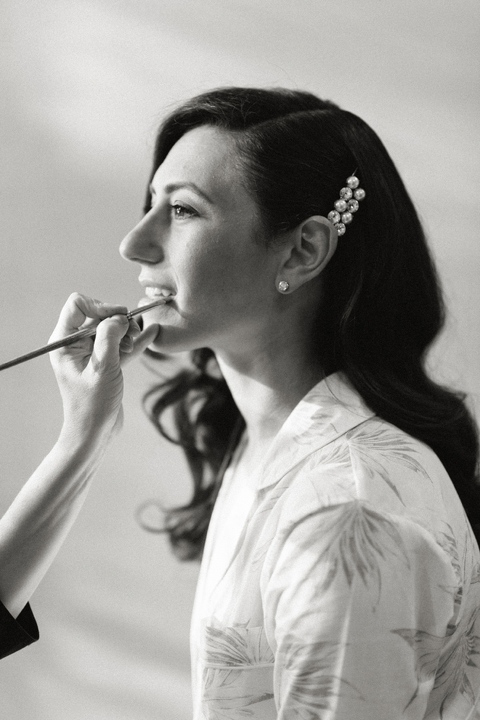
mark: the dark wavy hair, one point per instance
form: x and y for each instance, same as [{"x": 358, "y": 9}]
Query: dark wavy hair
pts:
[{"x": 381, "y": 292}]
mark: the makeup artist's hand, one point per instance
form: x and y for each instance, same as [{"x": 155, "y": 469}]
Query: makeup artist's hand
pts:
[{"x": 89, "y": 372}]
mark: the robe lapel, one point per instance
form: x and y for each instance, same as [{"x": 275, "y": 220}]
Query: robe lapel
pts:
[{"x": 330, "y": 409}]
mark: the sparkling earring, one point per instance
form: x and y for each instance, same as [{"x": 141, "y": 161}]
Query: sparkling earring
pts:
[{"x": 283, "y": 286}]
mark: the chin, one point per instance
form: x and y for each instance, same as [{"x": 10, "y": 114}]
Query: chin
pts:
[{"x": 171, "y": 341}]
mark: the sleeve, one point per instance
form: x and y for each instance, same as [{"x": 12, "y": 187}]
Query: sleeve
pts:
[
  {"x": 357, "y": 605},
  {"x": 16, "y": 634}
]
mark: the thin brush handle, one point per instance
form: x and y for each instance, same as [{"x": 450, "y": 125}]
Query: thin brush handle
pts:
[{"x": 70, "y": 339}]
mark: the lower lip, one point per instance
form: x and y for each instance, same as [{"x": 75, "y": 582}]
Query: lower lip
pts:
[
  {"x": 157, "y": 313},
  {"x": 149, "y": 300}
]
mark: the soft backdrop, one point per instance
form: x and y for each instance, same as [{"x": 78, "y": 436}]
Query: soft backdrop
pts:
[{"x": 82, "y": 86}]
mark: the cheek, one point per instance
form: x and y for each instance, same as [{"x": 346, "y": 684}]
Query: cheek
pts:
[
  {"x": 215, "y": 264},
  {"x": 221, "y": 267},
  {"x": 201, "y": 266}
]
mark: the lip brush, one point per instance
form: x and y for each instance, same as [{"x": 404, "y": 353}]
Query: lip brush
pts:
[{"x": 70, "y": 339}]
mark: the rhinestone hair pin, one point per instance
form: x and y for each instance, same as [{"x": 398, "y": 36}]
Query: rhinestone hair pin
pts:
[{"x": 350, "y": 196}]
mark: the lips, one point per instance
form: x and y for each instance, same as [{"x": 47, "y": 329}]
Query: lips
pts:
[
  {"x": 154, "y": 292},
  {"x": 154, "y": 289}
]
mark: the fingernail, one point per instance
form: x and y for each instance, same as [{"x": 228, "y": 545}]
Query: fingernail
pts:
[
  {"x": 134, "y": 329},
  {"x": 117, "y": 309},
  {"x": 122, "y": 319}
]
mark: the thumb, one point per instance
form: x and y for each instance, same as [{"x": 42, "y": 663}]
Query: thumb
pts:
[{"x": 107, "y": 341}]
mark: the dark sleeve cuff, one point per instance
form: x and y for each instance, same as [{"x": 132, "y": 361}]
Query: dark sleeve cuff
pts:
[{"x": 16, "y": 634}]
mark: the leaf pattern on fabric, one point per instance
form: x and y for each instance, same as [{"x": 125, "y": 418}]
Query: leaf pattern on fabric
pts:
[
  {"x": 336, "y": 455},
  {"x": 223, "y": 698},
  {"x": 379, "y": 447},
  {"x": 229, "y": 653},
  {"x": 322, "y": 541},
  {"x": 308, "y": 422},
  {"x": 447, "y": 542},
  {"x": 266, "y": 507},
  {"x": 427, "y": 650},
  {"x": 312, "y": 687},
  {"x": 237, "y": 646},
  {"x": 260, "y": 554},
  {"x": 271, "y": 500},
  {"x": 476, "y": 573},
  {"x": 450, "y": 673},
  {"x": 457, "y": 606},
  {"x": 357, "y": 539}
]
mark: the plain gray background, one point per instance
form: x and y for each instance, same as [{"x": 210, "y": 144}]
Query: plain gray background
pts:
[{"x": 82, "y": 87}]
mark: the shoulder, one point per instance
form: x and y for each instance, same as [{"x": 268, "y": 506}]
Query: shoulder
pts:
[
  {"x": 379, "y": 466},
  {"x": 352, "y": 554},
  {"x": 359, "y": 463}
]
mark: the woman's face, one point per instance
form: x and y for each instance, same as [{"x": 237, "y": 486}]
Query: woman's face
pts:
[{"x": 202, "y": 242}]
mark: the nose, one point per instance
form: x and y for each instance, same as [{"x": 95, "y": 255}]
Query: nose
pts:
[{"x": 142, "y": 244}]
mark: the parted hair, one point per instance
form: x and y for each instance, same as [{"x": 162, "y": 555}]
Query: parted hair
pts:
[{"x": 382, "y": 304}]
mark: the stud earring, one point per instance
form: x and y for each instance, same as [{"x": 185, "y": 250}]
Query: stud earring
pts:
[{"x": 283, "y": 286}]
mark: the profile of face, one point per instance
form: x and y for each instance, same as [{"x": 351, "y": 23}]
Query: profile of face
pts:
[{"x": 202, "y": 243}]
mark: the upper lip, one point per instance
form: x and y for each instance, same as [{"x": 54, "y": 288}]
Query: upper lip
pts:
[{"x": 146, "y": 282}]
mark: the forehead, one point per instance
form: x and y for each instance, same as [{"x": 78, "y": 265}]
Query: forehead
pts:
[{"x": 208, "y": 157}]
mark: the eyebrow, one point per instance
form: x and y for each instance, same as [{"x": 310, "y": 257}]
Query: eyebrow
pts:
[{"x": 171, "y": 187}]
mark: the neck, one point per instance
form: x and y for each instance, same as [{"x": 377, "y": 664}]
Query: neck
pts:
[{"x": 267, "y": 384}]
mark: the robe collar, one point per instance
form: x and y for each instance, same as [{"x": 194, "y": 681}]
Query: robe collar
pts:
[{"x": 330, "y": 409}]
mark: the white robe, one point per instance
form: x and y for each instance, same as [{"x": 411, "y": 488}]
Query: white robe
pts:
[{"x": 342, "y": 582}]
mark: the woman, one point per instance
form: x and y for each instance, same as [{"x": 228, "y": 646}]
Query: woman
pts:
[
  {"x": 35, "y": 525},
  {"x": 340, "y": 574}
]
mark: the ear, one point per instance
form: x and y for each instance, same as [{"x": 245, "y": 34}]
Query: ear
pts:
[{"x": 307, "y": 252}]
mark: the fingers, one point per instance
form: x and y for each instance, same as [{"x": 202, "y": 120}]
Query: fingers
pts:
[
  {"x": 128, "y": 341},
  {"x": 80, "y": 307},
  {"x": 142, "y": 341},
  {"x": 110, "y": 334},
  {"x": 116, "y": 336},
  {"x": 117, "y": 333}
]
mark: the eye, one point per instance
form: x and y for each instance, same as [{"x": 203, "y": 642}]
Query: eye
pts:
[{"x": 182, "y": 211}]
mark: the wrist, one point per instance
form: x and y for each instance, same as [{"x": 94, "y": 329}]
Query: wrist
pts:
[{"x": 92, "y": 440}]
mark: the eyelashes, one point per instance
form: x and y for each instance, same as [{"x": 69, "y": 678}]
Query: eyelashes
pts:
[
  {"x": 178, "y": 210},
  {"x": 182, "y": 211}
]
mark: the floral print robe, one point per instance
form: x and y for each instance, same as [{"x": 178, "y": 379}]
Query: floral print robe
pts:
[{"x": 340, "y": 583}]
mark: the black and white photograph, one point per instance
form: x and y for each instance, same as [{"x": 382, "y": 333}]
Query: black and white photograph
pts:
[{"x": 240, "y": 360}]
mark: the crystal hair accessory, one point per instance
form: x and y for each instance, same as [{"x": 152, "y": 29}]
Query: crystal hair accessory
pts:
[{"x": 347, "y": 204}]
